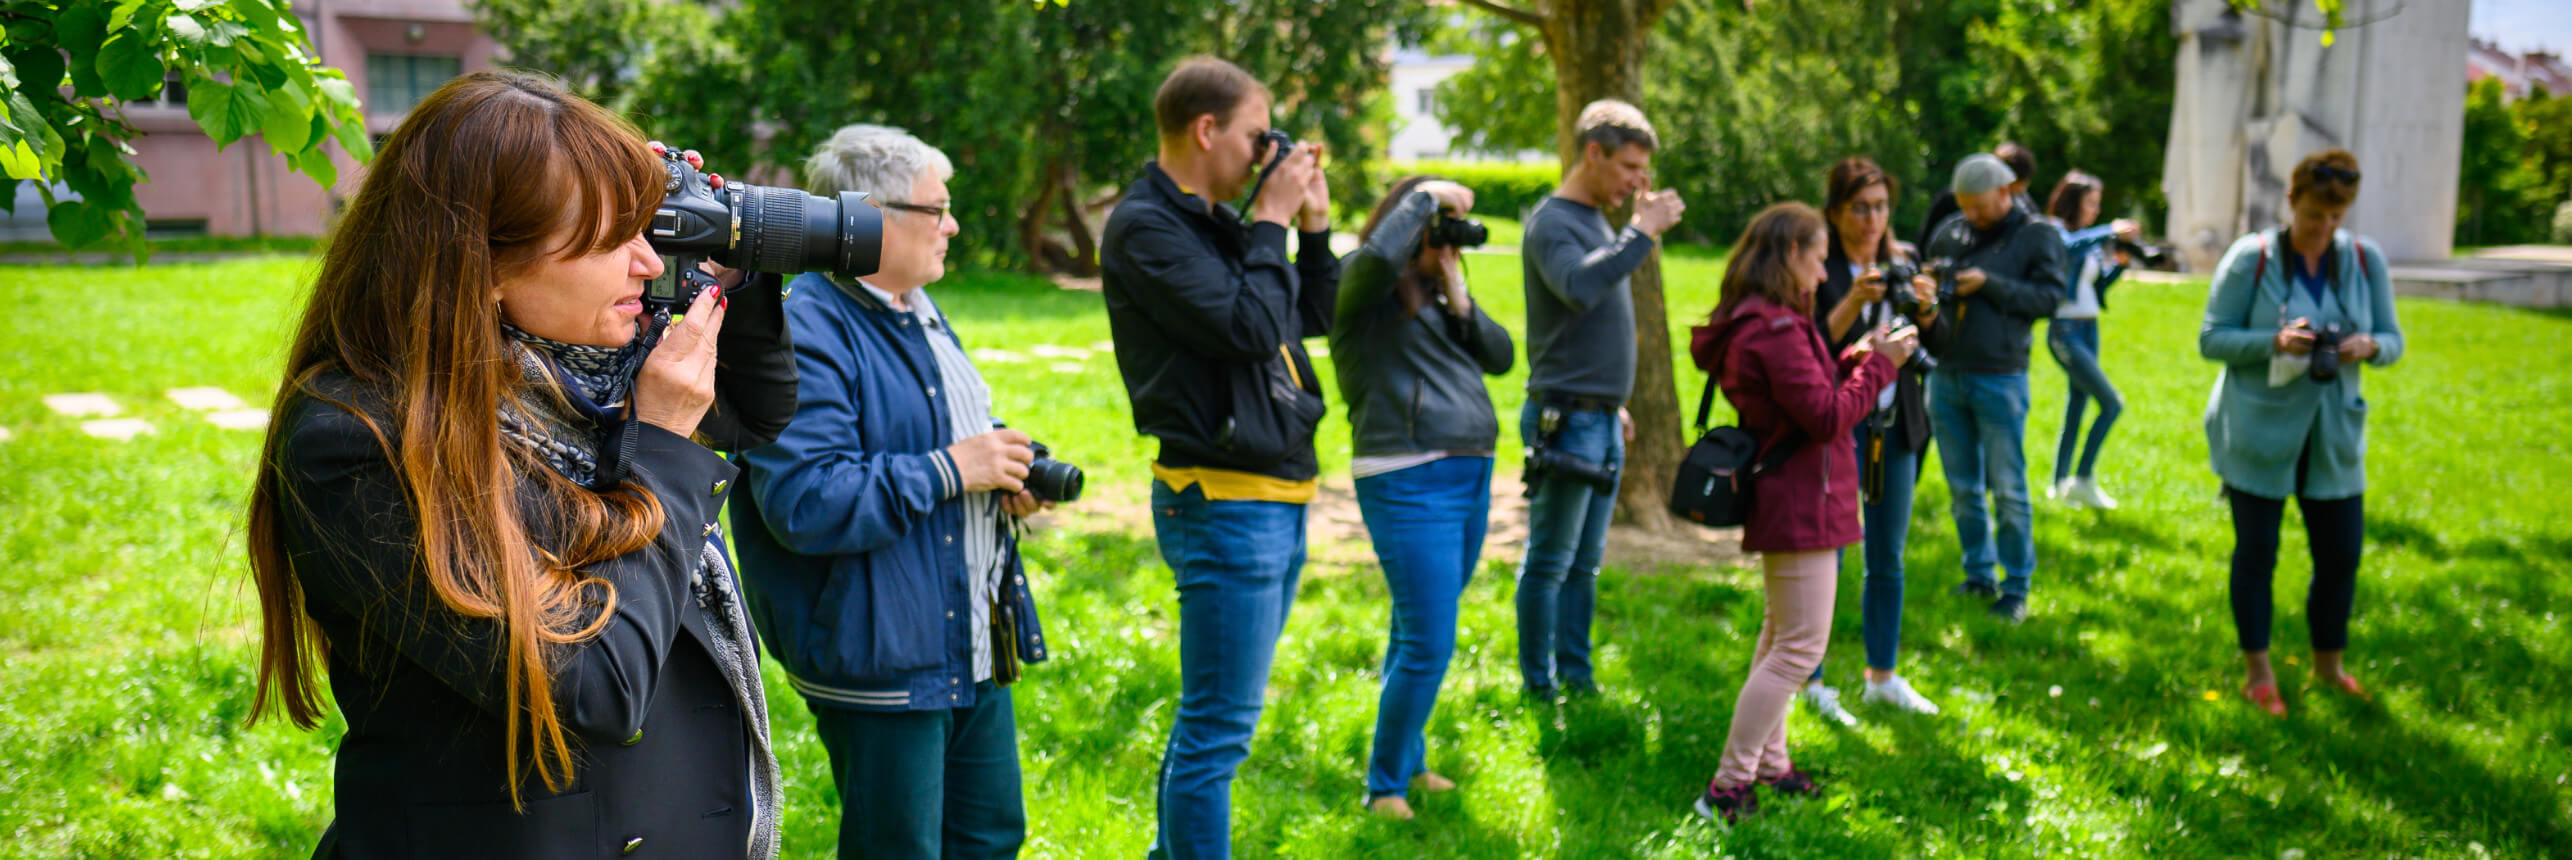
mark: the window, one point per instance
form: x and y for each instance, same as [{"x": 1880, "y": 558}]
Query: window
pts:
[
  {"x": 397, "y": 82},
  {"x": 1428, "y": 98}
]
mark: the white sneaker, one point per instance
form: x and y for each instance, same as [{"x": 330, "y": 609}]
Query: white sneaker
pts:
[
  {"x": 2085, "y": 491},
  {"x": 2062, "y": 492},
  {"x": 1898, "y": 693},
  {"x": 1826, "y": 703}
]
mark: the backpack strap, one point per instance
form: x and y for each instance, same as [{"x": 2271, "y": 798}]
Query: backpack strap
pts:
[{"x": 1705, "y": 404}]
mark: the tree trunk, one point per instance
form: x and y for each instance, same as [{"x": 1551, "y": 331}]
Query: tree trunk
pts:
[{"x": 1598, "y": 48}]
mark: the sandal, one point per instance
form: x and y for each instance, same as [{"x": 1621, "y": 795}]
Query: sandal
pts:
[
  {"x": 2265, "y": 696},
  {"x": 2347, "y": 683}
]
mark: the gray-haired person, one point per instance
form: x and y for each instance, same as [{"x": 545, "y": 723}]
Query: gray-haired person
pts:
[
  {"x": 876, "y": 534},
  {"x": 2005, "y": 271}
]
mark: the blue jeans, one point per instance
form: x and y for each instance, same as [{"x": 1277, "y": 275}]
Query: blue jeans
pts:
[
  {"x": 1888, "y": 529},
  {"x": 2075, "y": 343},
  {"x": 1567, "y": 525},
  {"x": 1427, "y": 523},
  {"x": 1237, "y": 563},
  {"x": 1980, "y": 421}
]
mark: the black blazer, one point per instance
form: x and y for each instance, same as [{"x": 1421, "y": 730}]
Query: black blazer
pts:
[
  {"x": 661, "y": 749},
  {"x": 754, "y": 393},
  {"x": 1910, "y": 389}
]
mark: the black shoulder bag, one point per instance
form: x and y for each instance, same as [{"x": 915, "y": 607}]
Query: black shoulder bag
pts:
[{"x": 1714, "y": 484}]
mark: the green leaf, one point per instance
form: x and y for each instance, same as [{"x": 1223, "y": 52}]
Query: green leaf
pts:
[
  {"x": 286, "y": 119},
  {"x": 338, "y": 89},
  {"x": 37, "y": 66},
  {"x": 129, "y": 65},
  {"x": 351, "y": 134},
  {"x": 79, "y": 223},
  {"x": 78, "y": 31},
  {"x": 263, "y": 18},
  {"x": 186, "y": 27},
  {"x": 18, "y": 161},
  {"x": 225, "y": 111},
  {"x": 196, "y": 5},
  {"x": 123, "y": 14},
  {"x": 315, "y": 162}
]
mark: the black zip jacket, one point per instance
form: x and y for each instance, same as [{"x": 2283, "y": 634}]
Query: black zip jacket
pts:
[
  {"x": 1210, "y": 321},
  {"x": 2022, "y": 262},
  {"x": 1412, "y": 383}
]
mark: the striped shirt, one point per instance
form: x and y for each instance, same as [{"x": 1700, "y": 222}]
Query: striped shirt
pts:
[{"x": 968, "y": 415}]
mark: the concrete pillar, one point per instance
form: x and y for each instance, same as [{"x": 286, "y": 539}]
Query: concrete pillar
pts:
[{"x": 2259, "y": 91}]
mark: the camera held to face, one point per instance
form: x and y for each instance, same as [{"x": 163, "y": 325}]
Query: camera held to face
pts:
[
  {"x": 1451, "y": 232},
  {"x": 755, "y": 228}
]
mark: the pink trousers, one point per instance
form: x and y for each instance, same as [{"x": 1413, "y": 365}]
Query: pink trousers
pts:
[{"x": 1797, "y": 626}]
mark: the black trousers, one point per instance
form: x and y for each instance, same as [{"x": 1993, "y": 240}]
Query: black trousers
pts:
[{"x": 2335, "y": 532}]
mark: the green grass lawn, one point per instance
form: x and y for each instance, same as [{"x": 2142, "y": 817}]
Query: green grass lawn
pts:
[{"x": 2106, "y": 726}]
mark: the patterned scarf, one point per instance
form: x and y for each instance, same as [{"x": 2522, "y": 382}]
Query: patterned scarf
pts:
[{"x": 557, "y": 418}]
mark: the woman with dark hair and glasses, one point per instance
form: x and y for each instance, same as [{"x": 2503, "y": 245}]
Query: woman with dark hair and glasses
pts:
[
  {"x": 1894, "y": 438},
  {"x": 2296, "y": 315},
  {"x": 1412, "y": 348},
  {"x": 2092, "y": 259}
]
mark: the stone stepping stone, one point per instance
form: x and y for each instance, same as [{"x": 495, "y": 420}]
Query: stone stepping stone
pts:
[
  {"x": 1067, "y": 367},
  {"x": 1103, "y": 346},
  {"x": 4, "y": 434},
  {"x": 205, "y": 399},
  {"x": 77, "y": 405},
  {"x": 996, "y": 356},
  {"x": 116, "y": 429},
  {"x": 239, "y": 419},
  {"x": 1047, "y": 350}
]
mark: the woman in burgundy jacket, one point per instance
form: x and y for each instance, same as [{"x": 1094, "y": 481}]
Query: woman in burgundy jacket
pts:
[{"x": 1789, "y": 389}]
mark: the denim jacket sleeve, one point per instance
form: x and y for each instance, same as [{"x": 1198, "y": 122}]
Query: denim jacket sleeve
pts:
[{"x": 820, "y": 487}]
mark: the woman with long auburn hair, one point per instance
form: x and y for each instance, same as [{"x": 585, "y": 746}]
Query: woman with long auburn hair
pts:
[
  {"x": 480, "y": 511},
  {"x": 1792, "y": 390}
]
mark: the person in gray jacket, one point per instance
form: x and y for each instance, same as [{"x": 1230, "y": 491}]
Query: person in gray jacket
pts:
[
  {"x": 1412, "y": 348},
  {"x": 2295, "y": 314},
  {"x": 2004, "y": 271}
]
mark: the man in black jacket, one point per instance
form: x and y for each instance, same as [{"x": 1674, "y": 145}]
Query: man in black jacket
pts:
[
  {"x": 2007, "y": 271},
  {"x": 1209, "y": 319},
  {"x": 2021, "y": 164}
]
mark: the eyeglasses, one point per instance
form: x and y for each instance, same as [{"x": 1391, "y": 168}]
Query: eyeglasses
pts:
[
  {"x": 940, "y": 211},
  {"x": 1868, "y": 210}
]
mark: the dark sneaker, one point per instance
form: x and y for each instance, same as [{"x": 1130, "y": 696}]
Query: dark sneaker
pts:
[
  {"x": 1977, "y": 590},
  {"x": 1727, "y": 804},
  {"x": 2011, "y": 608},
  {"x": 1546, "y": 695},
  {"x": 1793, "y": 782},
  {"x": 1580, "y": 690}
]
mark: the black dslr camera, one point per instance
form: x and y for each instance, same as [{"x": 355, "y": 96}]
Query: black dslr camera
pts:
[
  {"x": 754, "y": 228},
  {"x": 1897, "y": 287},
  {"x": 2326, "y": 353},
  {"x": 1052, "y": 480},
  {"x": 2147, "y": 256},
  {"x": 1447, "y": 232},
  {"x": 1273, "y": 146}
]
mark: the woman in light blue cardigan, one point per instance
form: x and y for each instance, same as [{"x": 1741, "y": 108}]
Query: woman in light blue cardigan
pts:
[{"x": 2295, "y": 315}]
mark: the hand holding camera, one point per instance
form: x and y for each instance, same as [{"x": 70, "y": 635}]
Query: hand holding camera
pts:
[
  {"x": 676, "y": 383},
  {"x": 1657, "y": 211},
  {"x": 1895, "y": 343},
  {"x": 1969, "y": 281},
  {"x": 993, "y": 461},
  {"x": 1868, "y": 288},
  {"x": 1281, "y": 199},
  {"x": 2296, "y": 337}
]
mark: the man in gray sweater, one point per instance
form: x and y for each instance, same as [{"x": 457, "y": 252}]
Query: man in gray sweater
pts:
[{"x": 1580, "y": 356}]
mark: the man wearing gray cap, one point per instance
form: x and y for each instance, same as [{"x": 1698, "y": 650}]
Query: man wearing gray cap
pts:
[{"x": 2004, "y": 270}]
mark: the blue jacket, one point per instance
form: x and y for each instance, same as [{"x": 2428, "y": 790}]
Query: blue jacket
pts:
[
  {"x": 849, "y": 548},
  {"x": 2256, "y": 432}
]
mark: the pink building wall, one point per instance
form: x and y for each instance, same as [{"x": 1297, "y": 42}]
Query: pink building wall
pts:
[{"x": 246, "y": 188}]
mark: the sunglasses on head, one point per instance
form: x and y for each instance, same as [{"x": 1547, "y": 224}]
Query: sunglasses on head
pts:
[{"x": 2335, "y": 172}]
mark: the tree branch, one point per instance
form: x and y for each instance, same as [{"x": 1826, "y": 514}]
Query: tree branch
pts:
[{"x": 1512, "y": 13}]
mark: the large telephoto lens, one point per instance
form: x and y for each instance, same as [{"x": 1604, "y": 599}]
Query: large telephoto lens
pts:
[{"x": 785, "y": 230}]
